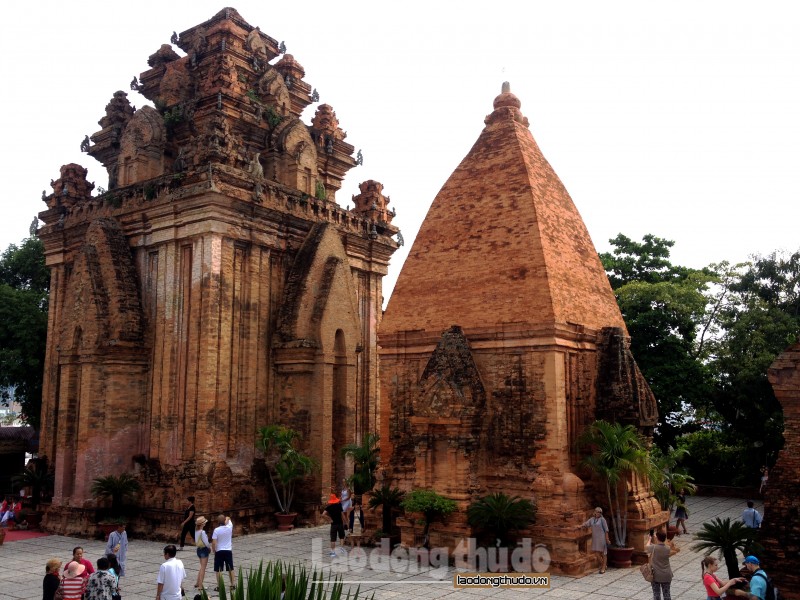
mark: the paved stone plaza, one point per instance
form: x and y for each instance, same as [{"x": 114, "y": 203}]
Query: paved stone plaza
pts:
[{"x": 22, "y": 566}]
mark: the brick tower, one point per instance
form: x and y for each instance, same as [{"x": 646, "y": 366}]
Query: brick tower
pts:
[
  {"x": 502, "y": 341},
  {"x": 214, "y": 288}
]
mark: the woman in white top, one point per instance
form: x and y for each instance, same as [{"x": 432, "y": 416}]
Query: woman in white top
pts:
[
  {"x": 347, "y": 504},
  {"x": 203, "y": 549}
]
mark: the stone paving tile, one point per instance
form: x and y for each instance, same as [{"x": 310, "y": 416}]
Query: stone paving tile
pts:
[{"x": 22, "y": 566}]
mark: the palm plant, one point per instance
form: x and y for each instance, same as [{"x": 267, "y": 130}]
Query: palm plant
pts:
[
  {"x": 365, "y": 461},
  {"x": 286, "y": 464},
  {"x": 389, "y": 499},
  {"x": 118, "y": 488},
  {"x": 617, "y": 452},
  {"x": 501, "y": 514},
  {"x": 433, "y": 507},
  {"x": 726, "y": 537},
  {"x": 35, "y": 476},
  {"x": 666, "y": 477},
  {"x": 278, "y": 581}
]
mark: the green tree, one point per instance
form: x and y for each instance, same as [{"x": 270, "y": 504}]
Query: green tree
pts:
[
  {"x": 389, "y": 499},
  {"x": 500, "y": 514},
  {"x": 726, "y": 536},
  {"x": 760, "y": 320},
  {"x": 286, "y": 464},
  {"x": 24, "y": 285},
  {"x": 616, "y": 452},
  {"x": 119, "y": 488},
  {"x": 365, "y": 458},
  {"x": 433, "y": 507},
  {"x": 665, "y": 310}
]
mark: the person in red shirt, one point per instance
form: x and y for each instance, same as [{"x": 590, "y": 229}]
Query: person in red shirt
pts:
[
  {"x": 77, "y": 556},
  {"x": 715, "y": 588}
]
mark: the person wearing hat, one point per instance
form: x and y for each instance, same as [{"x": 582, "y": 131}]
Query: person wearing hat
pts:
[
  {"x": 758, "y": 582},
  {"x": 600, "y": 540},
  {"x": 203, "y": 549},
  {"x": 74, "y": 582},
  {"x": 334, "y": 513}
]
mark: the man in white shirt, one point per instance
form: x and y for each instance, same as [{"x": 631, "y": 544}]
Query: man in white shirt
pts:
[
  {"x": 222, "y": 546},
  {"x": 170, "y": 576}
]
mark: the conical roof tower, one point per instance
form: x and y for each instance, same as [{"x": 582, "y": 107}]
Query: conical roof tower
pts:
[{"x": 502, "y": 243}]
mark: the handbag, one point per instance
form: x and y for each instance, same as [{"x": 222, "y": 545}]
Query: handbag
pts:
[{"x": 647, "y": 569}]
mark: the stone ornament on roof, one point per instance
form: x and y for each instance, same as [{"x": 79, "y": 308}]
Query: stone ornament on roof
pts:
[{"x": 507, "y": 105}]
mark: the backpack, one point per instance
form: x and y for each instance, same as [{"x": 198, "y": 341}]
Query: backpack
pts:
[{"x": 771, "y": 592}]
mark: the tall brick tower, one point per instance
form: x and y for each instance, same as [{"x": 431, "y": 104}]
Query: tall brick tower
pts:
[
  {"x": 502, "y": 341},
  {"x": 214, "y": 288}
]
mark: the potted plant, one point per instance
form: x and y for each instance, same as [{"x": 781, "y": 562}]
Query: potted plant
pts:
[
  {"x": 499, "y": 514},
  {"x": 726, "y": 536},
  {"x": 365, "y": 461},
  {"x": 35, "y": 476},
  {"x": 286, "y": 465},
  {"x": 389, "y": 499},
  {"x": 667, "y": 478},
  {"x": 617, "y": 452},
  {"x": 431, "y": 505},
  {"x": 120, "y": 489}
]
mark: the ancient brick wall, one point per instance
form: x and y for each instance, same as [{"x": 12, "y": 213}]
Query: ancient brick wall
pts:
[
  {"x": 215, "y": 287},
  {"x": 781, "y": 527}
]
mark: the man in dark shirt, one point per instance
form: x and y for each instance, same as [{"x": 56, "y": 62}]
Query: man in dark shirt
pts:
[
  {"x": 188, "y": 521},
  {"x": 333, "y": 512}
]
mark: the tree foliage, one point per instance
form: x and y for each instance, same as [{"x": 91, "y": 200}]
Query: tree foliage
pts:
[
  {"x": 286, "y": 464},
  {"x": 119, "y": 488},
  {"x": 365, "y": 458},
  {"x": 500, "y": 514},
  {"x": 24, "y": 285},
  {"x": 726, "y": 536},
  {"x": 432, "y": 505}
]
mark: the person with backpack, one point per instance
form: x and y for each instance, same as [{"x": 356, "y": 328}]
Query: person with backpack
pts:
[{"x": 761, "y": 586}]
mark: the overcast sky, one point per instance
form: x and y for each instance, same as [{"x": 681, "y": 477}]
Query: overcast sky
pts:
[{"x": 678, "y": 119}]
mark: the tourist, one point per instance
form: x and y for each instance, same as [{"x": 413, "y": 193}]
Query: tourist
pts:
[
  {"x": 764, "y": 479},
  {"x": 681, "y": 514},
  {"x": 758, "y": 582},
  {"x": 751, "y": 517},
  {"x": 74, "y": 582},
  {"x": 101, "y": 585},
  {"x": 117, "y": 545},
  {"x": 222, "y": 546},
  {"x": 77, "y": 556},
  {"x": 3, "y": 508},
  {"x": 714, "y": 587},
  {"x": 662, "y": 572},
  {"x": 11, "y": 513},
  {"x": 113, "y": 568},
  {"x": 333, "y": 512},
  {"x": 600, "y": 539},
  {"x": 203, "y": 550},
  {"x": 170, "y": 576},
  {"x": 346, "y": 499},
  {"x": 356, "y": 525},
  {"x": 188, "y": 521},
  {"x": 52, "y": 579}
]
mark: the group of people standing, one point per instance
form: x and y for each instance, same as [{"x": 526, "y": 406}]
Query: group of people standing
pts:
[
  {"x": 221, "y": 545},
  {"x": 80, "y": 579},
  {"x": 346, "y": 517},
  {"x": 659, "y": 550}
]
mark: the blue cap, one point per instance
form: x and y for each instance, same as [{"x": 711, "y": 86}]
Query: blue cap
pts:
[{"x": 752, "y": 559}]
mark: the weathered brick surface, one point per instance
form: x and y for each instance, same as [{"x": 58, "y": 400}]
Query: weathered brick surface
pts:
[
  {"x": 216, "y": 287},
  {"x": 503, "y": 243},
  {"x": 781, "y": 527},
  {"x": 496, "y": 349}
]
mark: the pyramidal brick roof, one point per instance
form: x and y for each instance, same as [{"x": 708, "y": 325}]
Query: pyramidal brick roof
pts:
[{"x": 502, "y": 243}]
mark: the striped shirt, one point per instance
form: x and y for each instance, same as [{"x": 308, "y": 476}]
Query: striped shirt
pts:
[{"x": 73, "y": 587}]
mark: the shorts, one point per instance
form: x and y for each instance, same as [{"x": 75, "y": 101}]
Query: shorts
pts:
[
  {"x": 337, "y": 528},
  {"x": 346, "y": 504},
  {"x": 203, "y": 552},
  {"x": 223, "y": 558}
]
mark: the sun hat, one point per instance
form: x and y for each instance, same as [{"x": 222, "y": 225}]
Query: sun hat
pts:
[
  {"x": 333, "y": 499},
  {"x": 201, "y": 521},
  {"x": 751, "y": 559},
  {"x": 75, "y": 568}
]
